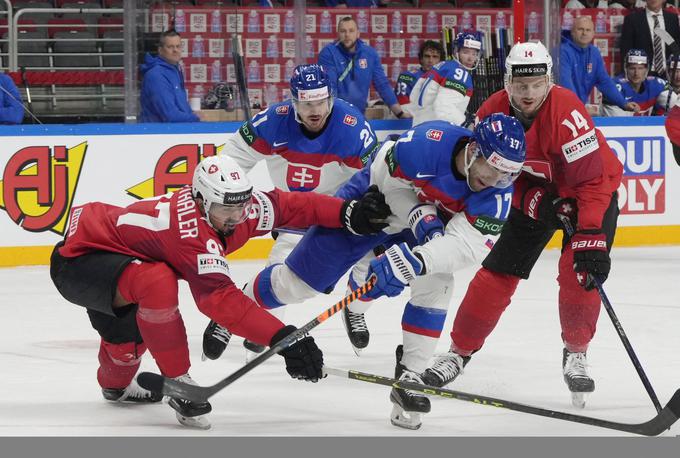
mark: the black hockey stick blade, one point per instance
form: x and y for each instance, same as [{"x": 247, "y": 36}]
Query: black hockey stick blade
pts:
[
  {"x": 660, "y": 423},
  {"x": 195, "y": 393}
]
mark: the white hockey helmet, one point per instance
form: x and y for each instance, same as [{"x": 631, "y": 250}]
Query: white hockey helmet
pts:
[
  {"x": 528, "y": 59},
  {"x": 225, "y": 190}
]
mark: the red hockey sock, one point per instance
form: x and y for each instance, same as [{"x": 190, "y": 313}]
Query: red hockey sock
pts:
[
  {"x": 487, "y": 297},
  {"x": 118, "y": 363},
  {"x": 579, "y": 309},
  {"x": 153, "y": 286}
]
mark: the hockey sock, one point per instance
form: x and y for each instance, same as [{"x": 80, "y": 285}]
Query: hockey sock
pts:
[
  {"x": 118, "y": 363},
  {"x": 579, "y": 309},
  {"x": 487, "y": 296}
]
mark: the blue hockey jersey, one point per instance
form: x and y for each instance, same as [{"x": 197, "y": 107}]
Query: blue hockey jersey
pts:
[
  {"x": 423, "y": 157},
  {"x": 652, "y": 98},
  {"x": 405, "y": 84},
  {"x": 298, "y": 162}
]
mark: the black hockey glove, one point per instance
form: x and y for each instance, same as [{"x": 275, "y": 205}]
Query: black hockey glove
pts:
[
  {"x": 591, "y": 258},
  {"x": 539, "y": 204},
  {"x": 366, "y": 215},
  {"x": 304, "y": 359}
]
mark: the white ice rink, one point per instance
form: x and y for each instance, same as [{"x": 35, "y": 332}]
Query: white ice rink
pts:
[{"x": 49, "y": 359}]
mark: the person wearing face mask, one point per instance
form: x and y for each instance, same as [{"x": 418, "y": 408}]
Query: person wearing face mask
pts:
[
  {"x": 122, "y": 264},
  {"x": 163, "y": 97},
  {"x": 569, "y": 171},
  {"x": 353, "y": 66}
]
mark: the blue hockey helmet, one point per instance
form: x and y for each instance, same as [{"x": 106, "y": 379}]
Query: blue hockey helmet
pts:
[
  {"x": 500, "y": 140},
  {"x": 469, "y": 40},
  {"x": 312, "y": 94},
  {"x": 310, "y": 83}
]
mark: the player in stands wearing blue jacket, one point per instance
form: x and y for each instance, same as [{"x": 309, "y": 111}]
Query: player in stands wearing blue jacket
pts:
[
  {"x": 352, "y": 66},
  {"x": 164, "y": 97},
  {"x": 654, "y": 95},
  {"x": 313, "y": 142},
  {"x": 450, "y": 190},
  {"x": 582, "y": 67},
  {"x": 430, "y": 53}
]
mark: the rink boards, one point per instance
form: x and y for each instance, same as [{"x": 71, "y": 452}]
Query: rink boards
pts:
[{"x": 46, "y": 170}]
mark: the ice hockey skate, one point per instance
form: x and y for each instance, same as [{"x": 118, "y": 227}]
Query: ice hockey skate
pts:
[
  {"x": 574, "y": 368},
  {"x": 445, "y": 369},
  {"x": 215, "y": 341},
  {"x": 133, "y": 393},
  {"x": 253, "y": 350},
  {"x": 356, "y": 328},
  {"x": 408, "y": 406},
  {"x": 191, "y": 414}
]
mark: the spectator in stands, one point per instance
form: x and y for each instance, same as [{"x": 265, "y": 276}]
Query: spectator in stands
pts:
[
  {"x": 651, "y": 93},
  {"x": 11, "y": 107},
  {"x": 164, "y": 97},
  {"x": 431, "y": 53},
  {"x": 352, "y": 65},
  {"x": 582, "y": 67},
  {"x": 638, "y": 33}
]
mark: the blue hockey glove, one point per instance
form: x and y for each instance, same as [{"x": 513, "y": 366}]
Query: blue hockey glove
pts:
[
  {"x": 425, "y": 223},
  {"x": 394, "y": 270}
]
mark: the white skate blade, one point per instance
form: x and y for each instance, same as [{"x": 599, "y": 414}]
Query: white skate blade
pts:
[
  {"x": 578, "y": 399},
  {"x": 404, "y": 419},
  {"x": 251, "y": 355},
  {"x": 357, "y": 351},
  {"x": 203, "y": 357},
  {"x": 198, "y": 422}
]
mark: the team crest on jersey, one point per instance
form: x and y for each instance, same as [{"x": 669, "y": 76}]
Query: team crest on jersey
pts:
[
  {"x": 282, "y": 109},
  {"x": 212, "y": 264},
  {"x": 363, "y": 63},
  {"x": 434, "y": 134},
  {"x": 350, "y": 120},
  {"x": 302, "y": 177}
]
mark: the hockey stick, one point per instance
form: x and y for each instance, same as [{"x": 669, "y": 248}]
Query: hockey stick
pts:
[
  {"x": 569, "y": 229},
  {"x": 240, "y": 68},
  {"x": 661, "y": 422},
  {"x": 170, "y": 387}
]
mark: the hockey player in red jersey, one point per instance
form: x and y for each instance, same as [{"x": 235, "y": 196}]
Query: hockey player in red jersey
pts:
[
  {"x": 123, "y": 265},
  {"x": 569, "y": 170},
  {"x": 673, "y": 131}
]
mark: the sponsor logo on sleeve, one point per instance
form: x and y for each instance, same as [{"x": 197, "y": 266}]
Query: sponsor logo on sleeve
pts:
[
  {"x": 390, "y": 161},
  {"x": 247, "y": 133},
  {"x": 265, "y": 211},
  {"x": 434, "y": 134},
  {"x": 212, "y": 264},
  {"x": 456, "y": 86},
  {"x": 487, "y": 225},
  {"x": 581, "y": 146},
  {"x": 282, "y": 110},
  {"x": 350, "y": 120}
]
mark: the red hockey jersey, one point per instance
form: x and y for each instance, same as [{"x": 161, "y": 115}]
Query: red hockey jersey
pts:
[
  {"x": 170, "y": 229},
  {"x": 566, "y": 154}
]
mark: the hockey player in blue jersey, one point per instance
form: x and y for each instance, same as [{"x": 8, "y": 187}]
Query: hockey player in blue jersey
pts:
[
  {"x": 447, "y": 187},
  {"x": 654, "y": 95},
  {"x": 444, "y": 92},
  {"x": 313, "y": 142},
  {"x": 430, "y": 54}
]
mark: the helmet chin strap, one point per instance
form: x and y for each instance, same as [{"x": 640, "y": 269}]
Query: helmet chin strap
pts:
[{"x": 468, "y": 164}]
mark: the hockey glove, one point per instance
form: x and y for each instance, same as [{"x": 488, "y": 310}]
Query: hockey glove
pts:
[
  {"x": 366, "y": 215},
  {"x": 425, "y": 223},
  {"x": 393, "y": 270},
  {"x": 540, "y": 205},
  {"x": 304, "y": 359},
  {"x": 591, "y": 258}
]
